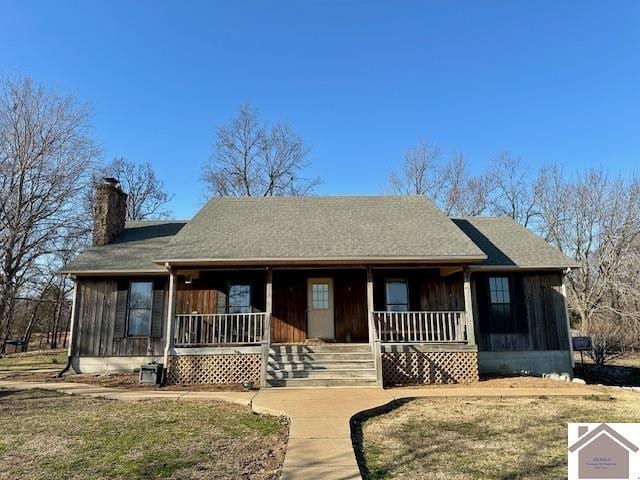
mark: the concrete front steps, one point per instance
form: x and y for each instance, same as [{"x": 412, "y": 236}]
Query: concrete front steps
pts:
[{"x": 326, "y": 365}]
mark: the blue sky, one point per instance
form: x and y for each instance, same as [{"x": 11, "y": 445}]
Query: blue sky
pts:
[{"x": 360, "y": 81}]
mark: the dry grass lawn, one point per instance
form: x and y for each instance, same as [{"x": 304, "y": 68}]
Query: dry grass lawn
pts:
[
  {"x": 484, "y": 438},
  {"x": 48, "y": 435},
  {"x": 41, "y": 359}
]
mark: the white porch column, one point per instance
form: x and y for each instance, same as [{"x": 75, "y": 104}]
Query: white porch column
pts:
[
  {"x": 566, "y": 314},
  {"x": 370, "y": 306},
  {"x": 72, "y": 323},
  {"x": 171, "y": 310},
  {"x": 266, "y": 346},
  {"x": 468, "y": 307}
]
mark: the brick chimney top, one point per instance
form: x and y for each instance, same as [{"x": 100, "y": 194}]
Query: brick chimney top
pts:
[{"x": 109, "y": 211}]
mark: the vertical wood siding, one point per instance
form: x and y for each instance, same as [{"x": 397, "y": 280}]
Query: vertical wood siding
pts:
[
  {"x": 543, "y": 309},
  {"x": 289, "y": 320},
  {"x": 208, "y": 293},
  {"x": 97, "y": 306},
  {"x": 427, "y": 289}
]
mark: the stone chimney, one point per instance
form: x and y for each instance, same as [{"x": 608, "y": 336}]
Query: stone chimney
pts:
[{"x": 109, "y": 211}]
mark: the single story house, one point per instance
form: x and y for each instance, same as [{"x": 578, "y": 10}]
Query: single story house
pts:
[{"x": 304, "y": 291}]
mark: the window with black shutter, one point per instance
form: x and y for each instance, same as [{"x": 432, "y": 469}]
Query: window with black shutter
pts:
[
  {"x": 140, "y": 309},
  {"x": 505, "y": 305}
]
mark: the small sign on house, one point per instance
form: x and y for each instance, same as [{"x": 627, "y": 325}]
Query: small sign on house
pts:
[{"x": 604, "y": 451}]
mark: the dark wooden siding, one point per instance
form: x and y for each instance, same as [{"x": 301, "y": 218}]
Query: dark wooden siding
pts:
[
  {"x": 208, "y": 292},
  {"x": 289, "y": 321},
  {"x": 428, "y": 290},
  {"x": 543, "y": 308},
  {"x": 96, "y": 321},
  {"x": 350, "y": 294}
]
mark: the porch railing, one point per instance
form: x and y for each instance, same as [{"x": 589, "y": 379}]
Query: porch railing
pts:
[
  {"x": 198, "y": 329},
  {"x": 436, "y": 327}
]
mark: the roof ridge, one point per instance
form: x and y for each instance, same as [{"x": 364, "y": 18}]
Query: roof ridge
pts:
[{"x": 320, "y": 197}]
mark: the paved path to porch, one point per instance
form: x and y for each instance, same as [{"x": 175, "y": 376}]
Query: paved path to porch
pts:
[{"x": 320, "y": 444}]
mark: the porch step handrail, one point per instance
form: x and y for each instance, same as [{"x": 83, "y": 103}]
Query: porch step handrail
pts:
[
  {"x": 420, "y": 326},
  {"x": 203, "y": 329}
]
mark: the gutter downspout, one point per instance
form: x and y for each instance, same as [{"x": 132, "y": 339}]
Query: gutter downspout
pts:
[
  {"x": 72, "y": 325},
  {"x": 169, "y": 326}
]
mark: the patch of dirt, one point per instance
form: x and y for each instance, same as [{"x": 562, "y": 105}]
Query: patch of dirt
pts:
[
  {"x": 122, "y": 381},
  {"x": 507, "y": 382}
]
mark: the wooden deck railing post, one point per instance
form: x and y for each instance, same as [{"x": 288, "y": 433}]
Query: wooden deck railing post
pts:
[
  {"x": 468, "y": 307},
  {"x": 266, "y": 345},
  {"x": 171, "y": 310}
]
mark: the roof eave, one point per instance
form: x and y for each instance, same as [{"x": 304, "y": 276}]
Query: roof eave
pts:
[
  {"x": 506, "y": 268},
  {"x": 107, "y": 272},
  {"x": 321, "y": 260}
]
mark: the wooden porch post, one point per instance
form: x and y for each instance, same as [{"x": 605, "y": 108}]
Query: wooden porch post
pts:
[
  {"x": 370, "y": 306},
  {"x": 266, "y": 345},
  {"x": 171, "y": 310},
  {"x": 468, "y": 307}
]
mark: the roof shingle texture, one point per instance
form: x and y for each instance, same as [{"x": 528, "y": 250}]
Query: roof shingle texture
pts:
[
  {"x": 508, "y": 244},
  {"x": 319, "y": 227},
  {"x": 134, "y": 249}
]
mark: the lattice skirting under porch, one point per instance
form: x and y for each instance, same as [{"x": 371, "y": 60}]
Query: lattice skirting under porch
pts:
[
  {"x": 232, "y": 368},
  {"x": 400, "y": 368}
]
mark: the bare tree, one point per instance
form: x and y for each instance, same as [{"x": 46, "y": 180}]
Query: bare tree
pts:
[
  {"x": 449, "y": 184},
  {"x": 513, "y": 192},
  {"x": 461, "y": 193},
  {"x": 45, "y": 151},
  {"x": 147, "y": 197},
  {"x": 419, "y": 173},
  {"x": 252, "y": 159}
]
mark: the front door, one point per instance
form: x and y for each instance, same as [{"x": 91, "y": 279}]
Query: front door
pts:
[{"x": 320, "y": 308}]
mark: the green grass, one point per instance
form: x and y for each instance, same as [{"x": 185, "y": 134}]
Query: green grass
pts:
[
  {"x": 34, "y": 360},
  {"x": 483, "y": 439},
  {"x": 51, "y": 435}
]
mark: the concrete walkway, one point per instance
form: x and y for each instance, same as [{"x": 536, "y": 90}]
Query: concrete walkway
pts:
[{"x": 320, "y": 443}]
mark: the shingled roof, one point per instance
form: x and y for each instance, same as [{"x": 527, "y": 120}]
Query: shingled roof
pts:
[
  {"x": 132, "y": 251},
  {"x": 299, "y": 229},
  {"x": 320, "y": 229},
  {"x": 508, "y": 244}
]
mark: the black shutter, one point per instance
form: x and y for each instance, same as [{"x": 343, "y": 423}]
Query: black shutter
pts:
[
  {"x": 521, "y": 323},
  {"x": 482, "y": 300},
  {"x": 120, "y": 330},
  {"x": 157, "y": 317}
]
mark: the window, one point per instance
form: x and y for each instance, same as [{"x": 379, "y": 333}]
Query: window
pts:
[
  {"x": 500, "y": 302},
  {"x": 239, "y": 298},
  {"x": 397, "y": 295},
  {"x": 320, "y": 296},
  {"x": 140, "y": 302}
]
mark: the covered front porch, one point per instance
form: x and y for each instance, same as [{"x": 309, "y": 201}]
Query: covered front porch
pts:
[
  {"x": 258, "y": 311},
  {"x": 355, "y": 305}
]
